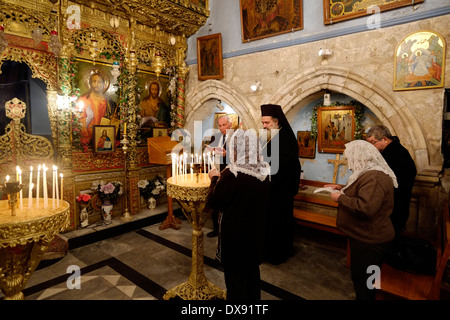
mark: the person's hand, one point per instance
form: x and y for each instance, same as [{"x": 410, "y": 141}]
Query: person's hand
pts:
[
  {"x": 213, "y": 172},
  {"x": 333, "y": 186},
  {"x": 335, "y": 196}
]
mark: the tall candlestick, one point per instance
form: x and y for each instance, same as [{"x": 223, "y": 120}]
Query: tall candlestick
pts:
[
  {"x": 57, "y": 188},
  {"x": 53, "y": 186},
  {"x": 19, "y": 172},
  {"x": 62, "y": 181},
  {"x": 30, "y": 199},
  {"x": 30, "y": 189},
  {"x": 204, "y": 163},
  {"x": 37, "y": 189},
  {"x": 7, "y": 179},
  {"x": 44, "y": 183},
  {"x": 173, "y": 167}
]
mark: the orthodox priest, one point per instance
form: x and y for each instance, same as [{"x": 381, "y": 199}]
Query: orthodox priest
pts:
[{"x": 280, "y": 150}]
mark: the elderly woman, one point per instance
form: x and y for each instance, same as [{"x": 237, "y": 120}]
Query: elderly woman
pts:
[
  {"x": 365, "y": 204},
  {"x": 240, "y": 194}
]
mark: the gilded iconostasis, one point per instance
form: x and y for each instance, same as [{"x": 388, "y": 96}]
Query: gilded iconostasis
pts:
[{"x": 110, "y": 70}]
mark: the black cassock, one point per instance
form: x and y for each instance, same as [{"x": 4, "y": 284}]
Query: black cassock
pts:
[{"x": 283, "y": 187}]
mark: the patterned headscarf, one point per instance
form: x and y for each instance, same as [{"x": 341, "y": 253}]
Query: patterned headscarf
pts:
[
  {"x": 246, "y": 156},
  {"x": 362, "y": 156}
]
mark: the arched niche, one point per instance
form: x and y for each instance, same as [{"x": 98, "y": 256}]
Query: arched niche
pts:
[
  {"x": 389, "y": 108},
  {"x": 214, "y": 89}
]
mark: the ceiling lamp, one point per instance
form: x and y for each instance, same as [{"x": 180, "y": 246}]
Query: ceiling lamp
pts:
[{"x": 54, "y": 43}]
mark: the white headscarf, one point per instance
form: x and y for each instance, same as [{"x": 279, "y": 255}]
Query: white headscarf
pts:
[
  {"x": 362, "y": 156},
  {"x": 246, "y": 156}
]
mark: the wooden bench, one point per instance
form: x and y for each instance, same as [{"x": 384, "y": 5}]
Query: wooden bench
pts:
[
  {"x": 316, "y": 220},
  {"x": 397, "y": 284},
  {"x": 310, "y": 218}
]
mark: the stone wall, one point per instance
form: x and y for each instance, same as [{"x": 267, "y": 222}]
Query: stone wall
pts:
[{"x": 362, "y": 67}]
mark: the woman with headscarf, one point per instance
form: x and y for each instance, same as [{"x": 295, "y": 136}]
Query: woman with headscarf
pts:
[
  {"x": 365, "y": 204},
  {"x": 240, "y": 192}
]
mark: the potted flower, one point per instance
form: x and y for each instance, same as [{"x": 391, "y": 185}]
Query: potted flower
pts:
[
  {"x": 150, "y": 189},
  {"x": 83, "y": 199},
  {"x": 108, "y": 193}
]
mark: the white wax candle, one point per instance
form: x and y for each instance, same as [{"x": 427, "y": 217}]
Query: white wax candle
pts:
[
  {"x": 57, "y": 188},
  {"x": 30, "y": 189},
  {"x": 30, "y": 199},
  {"x": 19, "y": 171},
  {"x": 204, "y": 163},
  {"x": 173, "y": 166},
  {"x": 44, "y": 184},
  {"x": 62, "y": 182},
  {"x": 53, "y": 186},
  {"x": 38, "y": 183}
]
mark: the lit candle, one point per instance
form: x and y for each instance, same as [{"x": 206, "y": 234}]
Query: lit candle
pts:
[
  {"x": 57, "y": 188},
  {"x": 204, "y": 163},
  {"x": 7, "y": 179},
  {"x": 62, "y": 181},
  {"x": 124, "y": 128},
  {"x": 30, "y": 188},
  {"x": 19, "y": 171},
  {"x": 173, "y": 167},
  {"x": 192, "y": 172},
  {"x": 37, "y": 190},
  {"x": 44, "y": 184},
  {"x": 53, "y": 186},
  {"x": 30, "y": 199}
]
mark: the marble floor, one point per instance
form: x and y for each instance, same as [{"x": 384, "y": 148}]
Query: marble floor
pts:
[{"x": 138, "y": 261}]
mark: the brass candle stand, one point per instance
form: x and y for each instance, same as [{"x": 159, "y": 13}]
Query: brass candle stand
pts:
[
  {"x": 24, "y": 238},
  {"x": 12, "y": 189},
  {"x": 191, "y": 192},
  {"x": 126, "y": 215}
]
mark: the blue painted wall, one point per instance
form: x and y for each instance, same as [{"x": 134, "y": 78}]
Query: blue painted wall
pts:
[{"x": 225, "y": 19}]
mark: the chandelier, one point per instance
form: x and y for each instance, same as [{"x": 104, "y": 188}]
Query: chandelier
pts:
[{"x": 54, "y": 43}]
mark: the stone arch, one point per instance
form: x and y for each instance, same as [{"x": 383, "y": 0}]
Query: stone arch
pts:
[
  {"x": 214, "y": 89},
  {"x": 386, "y": 105}
]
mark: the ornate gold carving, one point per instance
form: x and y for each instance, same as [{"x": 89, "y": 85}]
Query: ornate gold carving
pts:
[
  {"x": 179, "y": 17},
  {"x": 87, "y": 161},
  {"x": 20, "y": 20},
  {"x": 18, "y": 146},
  {"x": 42, "y": 65},
  {"x": 23, "y": 241}
]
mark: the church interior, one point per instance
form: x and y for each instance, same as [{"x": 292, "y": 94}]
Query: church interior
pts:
[{"x": 96, "y": 94}]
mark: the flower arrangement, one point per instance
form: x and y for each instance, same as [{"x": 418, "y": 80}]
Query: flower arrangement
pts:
[
  {"x": 83, "y": 197},
  {"x": 108, "y": 191},
  {"x": 153, "y": 187}
]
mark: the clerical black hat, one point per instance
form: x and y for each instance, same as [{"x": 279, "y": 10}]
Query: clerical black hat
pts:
[{"x": 272, "y": 110}]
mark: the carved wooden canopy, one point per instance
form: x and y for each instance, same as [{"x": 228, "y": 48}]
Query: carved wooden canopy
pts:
[{"x": 173, "y": 16}]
